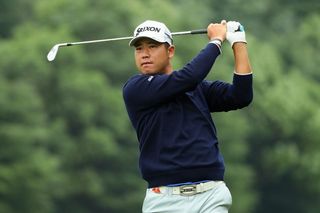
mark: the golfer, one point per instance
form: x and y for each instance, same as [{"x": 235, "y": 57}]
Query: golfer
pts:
[{"x": 170, "y": 111}]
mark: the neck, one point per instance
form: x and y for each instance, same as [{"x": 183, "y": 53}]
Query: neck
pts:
[{"x": 168, "y": 70}]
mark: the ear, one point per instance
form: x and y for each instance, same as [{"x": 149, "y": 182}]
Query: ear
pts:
[{"x": 171, "y": 50}]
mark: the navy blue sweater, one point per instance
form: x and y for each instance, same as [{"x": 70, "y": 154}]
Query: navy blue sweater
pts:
[{"x": 171, "y": 116}]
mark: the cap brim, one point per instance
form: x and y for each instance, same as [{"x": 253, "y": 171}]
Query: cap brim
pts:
[{"x": 134, "y": 40}]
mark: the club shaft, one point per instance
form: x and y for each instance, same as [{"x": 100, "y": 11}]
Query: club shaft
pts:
[
  {"x": 95, "y": 41},
  {"x": 53, "y": 52},
  {"x": 202, "y": 31}
]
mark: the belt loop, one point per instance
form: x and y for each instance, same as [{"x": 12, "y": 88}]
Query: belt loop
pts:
[{"x": 201, "y": 187}]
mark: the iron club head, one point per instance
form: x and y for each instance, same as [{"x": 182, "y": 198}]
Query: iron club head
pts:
[{"x": 53, "y": 52}]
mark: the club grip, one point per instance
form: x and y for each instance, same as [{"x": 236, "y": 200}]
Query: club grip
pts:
[{"x": 201, "y": 31}]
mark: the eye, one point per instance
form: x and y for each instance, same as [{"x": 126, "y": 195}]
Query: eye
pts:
[
  {"x": 152, "y": 46},
  {"x": 138, "y": 48}
]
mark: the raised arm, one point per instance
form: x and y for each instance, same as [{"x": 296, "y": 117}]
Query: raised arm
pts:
[
  {"x": 223, "y": 96},
  {"x": 237, "y": 39}
]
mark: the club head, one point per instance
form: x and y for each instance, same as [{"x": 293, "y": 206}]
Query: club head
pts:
[{"x": 53, "y": 52}]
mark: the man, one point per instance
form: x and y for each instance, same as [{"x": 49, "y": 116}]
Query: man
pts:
[{"x": 170, "y": 111}]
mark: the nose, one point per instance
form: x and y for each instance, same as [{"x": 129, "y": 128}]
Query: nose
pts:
[{"x": 145, "y": 53}]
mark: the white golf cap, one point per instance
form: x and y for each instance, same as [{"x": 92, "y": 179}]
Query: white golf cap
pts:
[{"x": 152, "y": 29}]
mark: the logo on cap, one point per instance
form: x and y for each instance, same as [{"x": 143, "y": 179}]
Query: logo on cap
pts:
[{"x": 151, "y": 29}]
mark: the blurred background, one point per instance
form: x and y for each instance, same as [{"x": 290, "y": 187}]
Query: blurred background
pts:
[{"x": 66, "y": 144}]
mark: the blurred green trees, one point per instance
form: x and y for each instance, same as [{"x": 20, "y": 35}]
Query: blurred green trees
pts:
[{"x": 66, "y": 144}]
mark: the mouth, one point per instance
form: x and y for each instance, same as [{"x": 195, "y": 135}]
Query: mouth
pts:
[{"x": 146, "y": 64}]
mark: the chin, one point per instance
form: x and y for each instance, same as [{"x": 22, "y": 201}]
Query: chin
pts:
[{"x": 150, "y": 72}]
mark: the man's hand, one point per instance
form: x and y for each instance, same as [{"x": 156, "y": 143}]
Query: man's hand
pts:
[
  {"x": 235, "y": 33},
  {"x": 217, "y": 31}
]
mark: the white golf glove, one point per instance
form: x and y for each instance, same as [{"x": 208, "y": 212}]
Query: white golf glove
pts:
[{"x": 235, "y": 33}]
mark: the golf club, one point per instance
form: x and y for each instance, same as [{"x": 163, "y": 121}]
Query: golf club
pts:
[{"x": 53, "y": 52}]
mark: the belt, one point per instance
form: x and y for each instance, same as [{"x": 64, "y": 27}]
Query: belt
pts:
[
  {"x": 192, "y": 189},
  {"x": 188, "y": 189}
]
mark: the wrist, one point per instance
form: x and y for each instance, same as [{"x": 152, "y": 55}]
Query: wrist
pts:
[
  {"x": 239, "y": 45},
  {"x": 216, "y": 38},
  {"x": 217, "y": 41}
]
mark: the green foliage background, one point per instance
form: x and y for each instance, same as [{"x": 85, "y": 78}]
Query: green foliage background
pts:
[{"x": 66, "y": 144}]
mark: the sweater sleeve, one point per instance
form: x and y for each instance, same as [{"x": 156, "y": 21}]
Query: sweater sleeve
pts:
[
  {"x": 144, "y": 91},
  {"x": 222, "y": 96}
]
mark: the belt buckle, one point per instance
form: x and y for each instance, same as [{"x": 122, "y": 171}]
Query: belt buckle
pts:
[{"x": 188, "y": 190}]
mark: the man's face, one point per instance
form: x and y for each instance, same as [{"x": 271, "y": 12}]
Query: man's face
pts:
[{"x": 152, "y": 57}]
